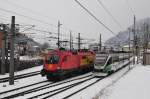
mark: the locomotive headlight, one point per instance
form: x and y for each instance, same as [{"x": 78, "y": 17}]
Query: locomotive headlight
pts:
[{"x": 58, "y": 67}]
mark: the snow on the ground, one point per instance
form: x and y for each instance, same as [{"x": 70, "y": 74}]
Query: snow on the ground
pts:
[
  {"x": 31, "y": 80},
  {"x": 124, "y": 84},
  {"x": 134, "y": 85},
  {"x": 29, "y": 70},
  {"x": 74, "y": 89},
  {"x": 30, "y": 58},
  {"x": 92, "y": 91},
  {"x": 24, "y": 81},
  {"x": 50, "y": 89},
  {"x": 85, "y": 94}
]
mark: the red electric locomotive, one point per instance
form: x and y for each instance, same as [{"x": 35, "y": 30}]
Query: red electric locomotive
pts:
[{"x": 60, "y": 63}]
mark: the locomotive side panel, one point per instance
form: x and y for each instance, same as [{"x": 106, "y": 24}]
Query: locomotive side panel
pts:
[
  {"x": 61, "y": 63},
  {"x": 70, "y": 62}
]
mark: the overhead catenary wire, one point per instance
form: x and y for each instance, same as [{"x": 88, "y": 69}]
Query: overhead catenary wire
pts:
[
  {"x": 36, "y": 13},
  {"x": 19, "y": 22},
  {"x": 130, "y": 8},
  {"x": 28, "y": 17},
  {"x": 13, "y": 12},
  {"x": 27, "y": 9},
  {"x": 34, "y": 29},
  {"x": 40, "y": 30},
  {"x": 5, "y": 20},
  {"x": 91, "y": 14},
  {"x": 41, "y": 20},
  {"x": 33, "y": 12},
  {"x": 96, "y": 19},
  {"x": 109, "y": 13}
]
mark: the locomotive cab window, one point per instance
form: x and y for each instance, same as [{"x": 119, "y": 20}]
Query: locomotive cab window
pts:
[{"x": 52, "y": 59}]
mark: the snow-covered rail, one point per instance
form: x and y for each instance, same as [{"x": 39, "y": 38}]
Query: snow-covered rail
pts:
[
  {"x": 51, "y": 93},
  {"x": 84, "y": 86},
  {"x": 27, "y": 90},
  {"x": 20, "y": 76},
  {"x": 16, "y": 89},
  {"x": 45, "y": 89}
]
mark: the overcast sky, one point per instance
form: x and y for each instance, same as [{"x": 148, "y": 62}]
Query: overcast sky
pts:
[{"x": 73, "y": 17}]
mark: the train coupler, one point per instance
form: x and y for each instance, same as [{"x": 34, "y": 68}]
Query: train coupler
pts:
[{"x": 43, "y": 73}]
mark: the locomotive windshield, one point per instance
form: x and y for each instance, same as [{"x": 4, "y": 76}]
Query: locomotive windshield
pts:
[{"x": 52, "y": 59}]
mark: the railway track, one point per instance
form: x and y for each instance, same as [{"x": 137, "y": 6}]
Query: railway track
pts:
[
  {"x": 8, "y": 94},
  {"x": 53, "y": 89},
  {"x": 16, "y": 89},
  {"x": 6, "y": 79},
  {"x": 83, "y": 88},
  {"x": 80, "y": 88},
  {"x": 59, "y": 90},
  {"x": 89, "y": 85}
]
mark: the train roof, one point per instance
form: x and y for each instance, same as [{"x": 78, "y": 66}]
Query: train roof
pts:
[{"x": 56, "y": 51}]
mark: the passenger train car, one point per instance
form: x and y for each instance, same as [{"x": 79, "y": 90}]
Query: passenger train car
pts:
[
  {"x": 108, "y": 63},
  {"x": 61, "y": 63}
]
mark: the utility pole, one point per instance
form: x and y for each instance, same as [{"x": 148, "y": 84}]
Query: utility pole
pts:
[
  {"x": 79, "y": 43},
  {"x": 12, "y": 36},
  {"x": 136, "y": 47},
  {"x": 129, "y": 46},
  {"x": 6, "y": 47},
  {"x": 129, "y": 39},
  {"x": 58, "y": 43},
  {"x": 147, "y": 32},
  {"x": 100, "y": 43},
  {"x": 144, "y": 44},
  {"x": 134, "y": 41},
  {"x": 3, "y": 65},
  {"x": 145, "y": 38},
  {"x": 70, "y": 41}
]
